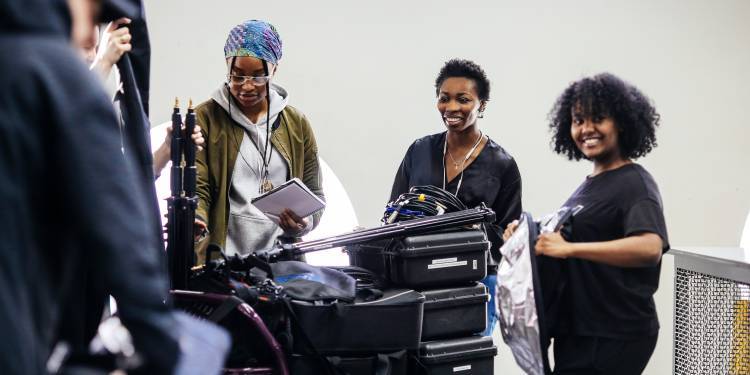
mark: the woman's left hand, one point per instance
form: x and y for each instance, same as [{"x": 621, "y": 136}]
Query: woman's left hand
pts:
[
  {"x": 197, "y": 137},
  {"x": 291, "y": 223},
  {"x": 552, "y": 245}
]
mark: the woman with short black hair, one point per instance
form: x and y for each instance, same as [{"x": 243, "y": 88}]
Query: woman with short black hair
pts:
[
  {"x": 608, "y": 322},
  {"x": 463, "y": 160}
]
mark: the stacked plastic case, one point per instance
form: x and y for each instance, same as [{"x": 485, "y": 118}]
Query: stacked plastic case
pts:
[{"x": 446, "y": 268}]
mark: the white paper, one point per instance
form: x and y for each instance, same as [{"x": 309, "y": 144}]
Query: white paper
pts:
[{"x": 293, "y": 195}]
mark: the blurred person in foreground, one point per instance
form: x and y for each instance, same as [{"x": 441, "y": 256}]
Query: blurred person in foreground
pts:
[
  {"x": 102, "y": 52},
  {"x": 68, "y": 201}
]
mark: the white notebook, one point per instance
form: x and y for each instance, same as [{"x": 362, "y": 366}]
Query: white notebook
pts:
[{"x": 293, "y": 195}]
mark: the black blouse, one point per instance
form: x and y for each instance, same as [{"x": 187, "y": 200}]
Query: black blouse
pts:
[{"x": 492, "y": 178}]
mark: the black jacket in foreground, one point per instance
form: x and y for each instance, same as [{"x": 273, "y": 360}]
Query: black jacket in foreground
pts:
[
  {"x": 492, "y": 178},
  {"x": 68, "y": 200}
]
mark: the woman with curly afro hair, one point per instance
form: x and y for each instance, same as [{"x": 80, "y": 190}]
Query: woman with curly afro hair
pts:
[
  {"x": 607, "y": 322},
  {"x": 465, "y": 161}
]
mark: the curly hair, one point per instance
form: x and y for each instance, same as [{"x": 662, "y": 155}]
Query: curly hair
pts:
[
  {"x": 605, "y": 96},
  {"x": 465, "y": 69}
]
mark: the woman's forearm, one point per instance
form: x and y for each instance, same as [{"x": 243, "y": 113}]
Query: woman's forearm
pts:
[
  {"x": 641, "y": 250},
  {"x": 161, "y": 158}
]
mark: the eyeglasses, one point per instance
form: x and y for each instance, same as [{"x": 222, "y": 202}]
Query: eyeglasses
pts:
[{"x": 254, "y": 80}]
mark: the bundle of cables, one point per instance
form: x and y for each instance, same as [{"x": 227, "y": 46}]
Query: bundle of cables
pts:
[{"x": 421, "y": 201}]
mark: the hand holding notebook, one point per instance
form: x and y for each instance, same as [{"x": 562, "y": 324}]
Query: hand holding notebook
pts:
[{"x": 292, "y": 195}]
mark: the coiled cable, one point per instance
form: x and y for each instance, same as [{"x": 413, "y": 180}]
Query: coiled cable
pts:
[{"x": 421, "y": 201}]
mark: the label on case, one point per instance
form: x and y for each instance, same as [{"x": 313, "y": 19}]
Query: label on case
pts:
[
  {"x": 462, "y": 368},
  {"x": 444, "y": 260},
  {"x": 446, "y": 265}
]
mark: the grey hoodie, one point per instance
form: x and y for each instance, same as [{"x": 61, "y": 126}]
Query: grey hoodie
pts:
[{"x": 248, "y": 229}]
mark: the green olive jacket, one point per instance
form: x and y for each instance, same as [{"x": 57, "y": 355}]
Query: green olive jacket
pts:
[{"x": 294, "y": 139}]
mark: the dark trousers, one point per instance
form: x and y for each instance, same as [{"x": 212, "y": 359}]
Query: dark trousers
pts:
[{"x": 599, "y": 355}]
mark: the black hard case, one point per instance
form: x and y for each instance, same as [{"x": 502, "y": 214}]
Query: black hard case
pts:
[
  {"x": 439, "y": 259},
  {"x": 388, "y": 324},
  {"x": 431, "y": 260},
  {"x": 454, "y": 312},
  {"x": 465, "y": 356}
]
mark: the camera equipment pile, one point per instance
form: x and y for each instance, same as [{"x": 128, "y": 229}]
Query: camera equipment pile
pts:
[
  {"x": 411, "y": 302},
  {"x": 445, "y": 266}
]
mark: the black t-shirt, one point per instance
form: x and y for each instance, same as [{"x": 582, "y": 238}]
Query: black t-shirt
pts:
[
  {"x": 602, "y": 300},
  {"x": 492, "y": 178}
]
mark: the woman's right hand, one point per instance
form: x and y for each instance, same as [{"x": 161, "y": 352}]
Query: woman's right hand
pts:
[
  {"x": 512, "y": 226},
  {"x": 292, "y": 224},
  {"x": 116, "y": 41}
]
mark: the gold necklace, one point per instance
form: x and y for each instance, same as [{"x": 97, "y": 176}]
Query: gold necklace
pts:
[
  {"x": 455, "y": 163},
  {"x": 445, "y": 173},
  {"x": 468, "y": 155}
]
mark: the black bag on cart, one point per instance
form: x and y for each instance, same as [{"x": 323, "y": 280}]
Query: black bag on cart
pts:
[
  {"x": 268, "y": 289},
  {"x": 472, "y": 355},
  {"x": 390, "y": 323},
  {"x": 454, "y": 312}
]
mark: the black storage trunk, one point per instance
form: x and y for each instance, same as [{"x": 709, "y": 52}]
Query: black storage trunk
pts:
[
  {"x": 465, "y": 356},
  {"x": 439, "y": 259},
  {"x": 454, "y": 312},
  {"x": 388, "y": 324}
]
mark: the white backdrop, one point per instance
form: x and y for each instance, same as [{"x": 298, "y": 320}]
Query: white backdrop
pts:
[{"x": 363, "y": 72}]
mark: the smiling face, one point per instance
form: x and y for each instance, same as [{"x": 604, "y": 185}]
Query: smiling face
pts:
[
  {"x": 458, "y": 103},
  {"x": 249, "y": 96},
  {"x": 596, "y": 138}
]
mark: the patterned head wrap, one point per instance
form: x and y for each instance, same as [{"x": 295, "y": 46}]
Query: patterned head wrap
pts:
[{"x": 255, "y": 39}]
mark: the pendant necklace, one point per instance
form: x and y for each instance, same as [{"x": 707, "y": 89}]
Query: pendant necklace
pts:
[
  {"x": 265, "y": 182},
  {"x": 457, "y": 164},
  {"x": 261, "y": 165}
]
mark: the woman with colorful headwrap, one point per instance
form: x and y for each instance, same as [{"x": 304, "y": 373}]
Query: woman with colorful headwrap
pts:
[{"x": 244, "y": 156}]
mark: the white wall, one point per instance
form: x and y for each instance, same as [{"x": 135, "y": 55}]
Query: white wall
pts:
[{"x": 363, "y": 73}]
